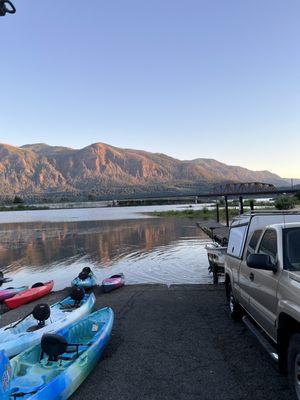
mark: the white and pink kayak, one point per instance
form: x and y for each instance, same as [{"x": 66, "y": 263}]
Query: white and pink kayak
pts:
[
  {"x": 10, "y": 292},
  {"x": 113, "y": 282}
]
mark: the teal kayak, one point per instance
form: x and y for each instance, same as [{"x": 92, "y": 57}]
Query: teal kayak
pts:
[
  {"x": 18, "y": 336},
  {"x": 85, "y": 279},
  {"x": 56, "y": 367}
]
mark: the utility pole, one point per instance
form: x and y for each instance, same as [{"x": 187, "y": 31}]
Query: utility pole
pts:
[{"x": 6, "y": 7}]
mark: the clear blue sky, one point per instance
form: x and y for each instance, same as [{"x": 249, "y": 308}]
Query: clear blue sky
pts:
[{"x": 190, "y": 78}]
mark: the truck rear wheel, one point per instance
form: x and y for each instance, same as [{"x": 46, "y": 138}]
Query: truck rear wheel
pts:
[
  {"x": 234, "y": 308},
  {"x": 294, "y": 364}
]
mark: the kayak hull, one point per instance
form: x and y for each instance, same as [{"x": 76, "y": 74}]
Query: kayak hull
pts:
[
  {"x": 15, "y": 340},
  {"x": 86, "y": 283},
  {"x": 59, "y": 380},
  {"x": 29, "y": 295},
  {"x": 112, "y": 283}
]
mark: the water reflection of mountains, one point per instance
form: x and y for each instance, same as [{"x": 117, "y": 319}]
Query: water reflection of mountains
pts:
[{"x": 101, "y": 242}]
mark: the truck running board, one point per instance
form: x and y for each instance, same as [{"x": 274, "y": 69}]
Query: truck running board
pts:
[{"x": 261, "y": 338}]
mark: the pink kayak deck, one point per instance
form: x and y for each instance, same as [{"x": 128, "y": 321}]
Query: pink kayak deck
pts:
[
  {"x": 115, "y": 281},
  {"x": 112, "y": 283}
]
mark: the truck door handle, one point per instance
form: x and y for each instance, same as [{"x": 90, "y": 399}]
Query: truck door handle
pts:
[{"x": 251, "y": 276}]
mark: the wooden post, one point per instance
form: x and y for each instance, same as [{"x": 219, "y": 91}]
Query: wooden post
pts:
[
  {"x": 252, "y": 205},
  {"x": 226, "y": 211},
  {"x": 218, "y": 211},
  {"x": 241, "y": 205}
]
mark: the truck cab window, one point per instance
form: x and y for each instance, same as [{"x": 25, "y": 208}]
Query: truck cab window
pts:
[
  {"x": 237, "y": 239},
  {"x": 291, "y": 248},
  {"x": 253, "y": 242},
  {"x": 268, "y": 245}
]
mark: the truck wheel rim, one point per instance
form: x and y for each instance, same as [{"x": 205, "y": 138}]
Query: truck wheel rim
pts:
[{"x": 297, "y": 375}]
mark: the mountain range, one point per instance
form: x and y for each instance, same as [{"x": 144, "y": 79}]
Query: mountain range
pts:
[{"x": 107, "y": 171}]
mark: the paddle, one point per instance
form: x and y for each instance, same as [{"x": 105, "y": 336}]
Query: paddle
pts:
[
  {"x": 22, "y": 319},
  {"x": 18, "y": 322}
]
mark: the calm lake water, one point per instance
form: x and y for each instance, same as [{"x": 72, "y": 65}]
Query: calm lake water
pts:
[{"x": 57, "y": 244}]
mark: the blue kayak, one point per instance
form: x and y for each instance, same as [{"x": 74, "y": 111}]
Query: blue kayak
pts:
[
  {"x": 86, "y": 279},
  {"x": 20, "y": 335},
  {"x": 87, "y": 283},
  {"x": 56, "y": 367}
]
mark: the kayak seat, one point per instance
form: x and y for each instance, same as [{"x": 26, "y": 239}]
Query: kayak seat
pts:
[
  {"x": 84, "y": 275},
  {"x": 87, "y": 270},
  {"x": 38, "y": 284},
  {"x": 41, "y": 313},
  {"x": 58, "y": 349},
  {"x": 53, "y": 346},
  {"x": 77, "y": 295}
]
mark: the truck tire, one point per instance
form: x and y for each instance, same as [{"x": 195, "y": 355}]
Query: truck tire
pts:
[
  {"x": 294, "y": 364},
  {"x": 235, "y": 309}
]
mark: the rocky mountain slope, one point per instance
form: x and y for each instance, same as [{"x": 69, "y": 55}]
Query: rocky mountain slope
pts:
[{"x": 107, "y": 170}]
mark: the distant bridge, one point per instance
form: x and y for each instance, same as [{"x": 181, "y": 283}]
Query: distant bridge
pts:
[{"x": 245, "y": 187}]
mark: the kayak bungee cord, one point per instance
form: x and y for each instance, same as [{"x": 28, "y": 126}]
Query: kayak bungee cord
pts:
[{"x": 6, "y": 7}]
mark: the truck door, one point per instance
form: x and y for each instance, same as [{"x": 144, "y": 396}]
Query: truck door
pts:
[
  {"x": 245, "y": 272},
  {"x": 235, "y": 248},
  {"x": 263, "y": 285}
]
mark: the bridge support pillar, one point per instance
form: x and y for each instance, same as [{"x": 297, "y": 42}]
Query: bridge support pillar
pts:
[
  {"x": 217, "y": 211},
  {"x": 226, "y": 211},
  {"x": 241, "y": 205}
]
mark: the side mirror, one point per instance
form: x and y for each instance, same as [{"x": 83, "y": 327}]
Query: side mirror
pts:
[{"x": 261, "y": 261}]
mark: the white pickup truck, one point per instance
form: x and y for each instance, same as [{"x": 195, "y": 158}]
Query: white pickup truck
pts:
[{"x": 262, "y": 278}]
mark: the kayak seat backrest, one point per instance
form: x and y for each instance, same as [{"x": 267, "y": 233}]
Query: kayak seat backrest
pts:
[
  {"x": 77, "y": 294},
  {"x": 58, "y": 349},
  {"x": 53, "y": 346},
  {"x": 41, "y": 313},
  {"x": 87, "y": 270},
  {"x": 38, "y": 284},
  {"x": 83, "y": 275}
]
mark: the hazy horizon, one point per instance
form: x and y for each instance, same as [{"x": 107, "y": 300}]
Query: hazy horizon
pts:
[{"x": 193, "y": 79}]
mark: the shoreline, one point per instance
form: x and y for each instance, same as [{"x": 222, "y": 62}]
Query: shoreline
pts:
[{"x": 175, "y": 343}]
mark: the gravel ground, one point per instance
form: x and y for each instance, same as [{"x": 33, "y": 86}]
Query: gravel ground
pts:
[{"x": 176, "y": 343}]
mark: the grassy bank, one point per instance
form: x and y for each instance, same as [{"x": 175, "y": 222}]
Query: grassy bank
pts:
[{"x": 205, "y": 213}]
